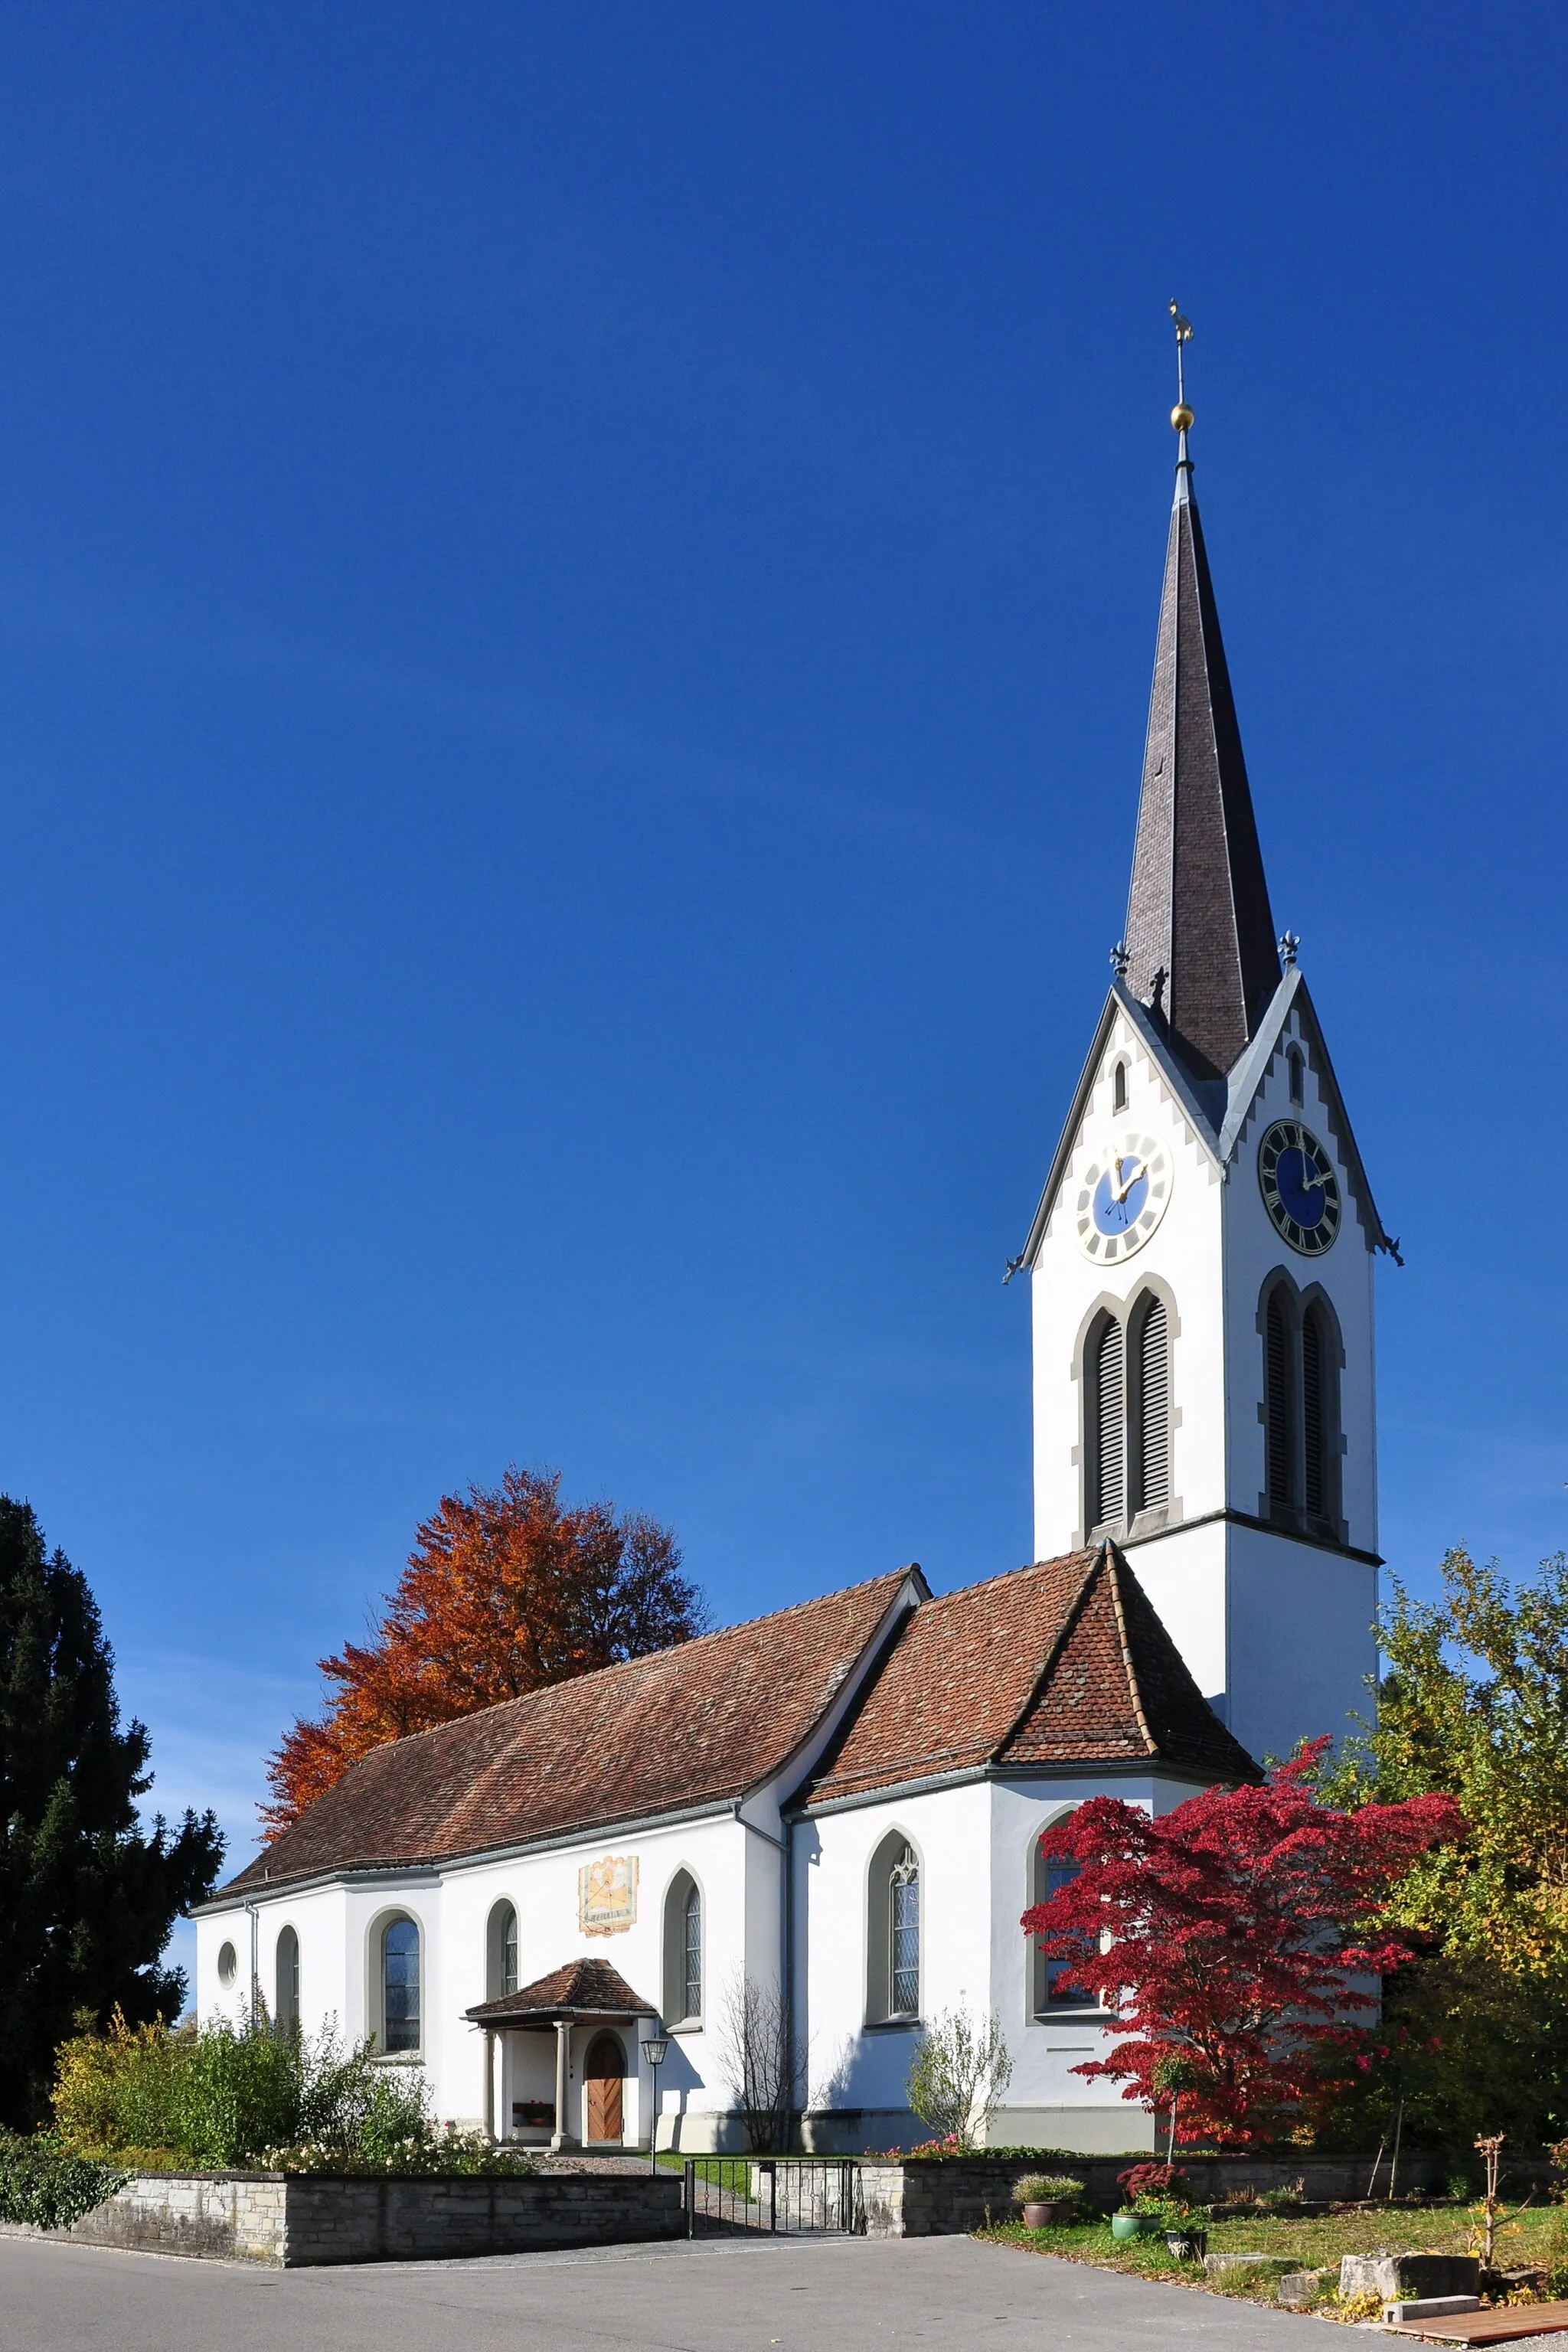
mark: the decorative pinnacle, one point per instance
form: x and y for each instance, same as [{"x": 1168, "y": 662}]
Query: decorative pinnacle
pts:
[
  {"x": 1181, "y": 416},
  {"x": 1120, "y": 959},
  {"x": 1290, "y": 949}
]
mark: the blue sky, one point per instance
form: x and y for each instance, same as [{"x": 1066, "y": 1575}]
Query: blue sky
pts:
[{"x": 576, "y": 598}]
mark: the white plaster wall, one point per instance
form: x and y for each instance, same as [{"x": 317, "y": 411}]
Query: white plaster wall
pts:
[
  {"x": 1301, "y": 1640},
  {"x": 338, "y": 1926},
  {"x": 1185, "y": 1253},
  {"x": 852, "y": 2063}
]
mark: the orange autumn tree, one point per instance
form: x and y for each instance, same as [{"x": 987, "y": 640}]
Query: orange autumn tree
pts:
[{"x": 506, "y": 1589}]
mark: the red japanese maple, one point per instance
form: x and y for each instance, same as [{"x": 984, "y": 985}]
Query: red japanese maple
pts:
[{"x": 1227, "y": 1934}]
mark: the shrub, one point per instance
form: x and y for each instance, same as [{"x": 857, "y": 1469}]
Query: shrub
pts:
[
  {"x": 1155, "y": 2181},
  {"x": 41, "y": 2185},
  {"x": 961, "y": 2069},
  {"x": 1046, "y": 2188},
  {"x": 220, "y": 2098}
]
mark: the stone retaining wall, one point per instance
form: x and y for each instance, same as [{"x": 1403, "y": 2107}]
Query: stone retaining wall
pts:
[
  {"x": 320, "y": 2218},
  {"x": 945, "y": 2197}
]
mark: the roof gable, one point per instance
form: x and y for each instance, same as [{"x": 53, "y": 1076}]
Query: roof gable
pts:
[
  {"x": 1183, "y": 1089},
  {"x": 1246, "y": 1081},
  {"x": 1064, "y": 1663},
  {"x": 698, "y": 1724}
]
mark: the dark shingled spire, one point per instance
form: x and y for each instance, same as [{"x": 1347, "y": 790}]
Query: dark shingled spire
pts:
[{"x": 1200, "y": 936}]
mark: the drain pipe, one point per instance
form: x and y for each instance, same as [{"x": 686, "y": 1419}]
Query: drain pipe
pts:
[{"x": 784, "y": 1848}]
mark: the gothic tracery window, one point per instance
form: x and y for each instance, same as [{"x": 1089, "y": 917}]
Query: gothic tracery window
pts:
[{"x": 904, "y": 1936}]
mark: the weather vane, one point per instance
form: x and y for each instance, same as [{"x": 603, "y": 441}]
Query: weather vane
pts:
[{"x": 1181, "y": 416}]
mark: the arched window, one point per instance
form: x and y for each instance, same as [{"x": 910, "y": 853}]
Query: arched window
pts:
[
  {"x": 692, "y": 1923},
  {"x": 893, "y": 1932},
  {"x": 500, "y": 1952},
  {"x": 1118, "y": 1086},
  {"x": 904, "y": 1936},
  {"x": 1055, "y": 1986},
  {"x": 286, "y": 2007},
  {"x": 1295, "y": 1064},
  {"x": 399, "y": 1986},
  {"x": 1320, "y": 1416},
  {"x": 1105, "y": 1412},
  {"x": 1280, "y": 1406},
  {"x": 1150, "y": 1401},
  {"x": 683, "y": 1951}
]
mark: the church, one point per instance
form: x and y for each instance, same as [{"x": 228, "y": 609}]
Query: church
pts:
[{"x": 840, "y": 1804}]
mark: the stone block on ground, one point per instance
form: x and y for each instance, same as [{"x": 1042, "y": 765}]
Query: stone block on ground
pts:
[
  {"x": 1410, "y": 2276},
  {"x": 1306, "y": 2286}
]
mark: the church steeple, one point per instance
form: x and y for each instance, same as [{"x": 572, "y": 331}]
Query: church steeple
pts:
[{"x": 1200, "y": 936}]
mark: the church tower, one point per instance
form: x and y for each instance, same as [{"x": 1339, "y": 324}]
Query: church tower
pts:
[{"x": 1201, "y": 1260}]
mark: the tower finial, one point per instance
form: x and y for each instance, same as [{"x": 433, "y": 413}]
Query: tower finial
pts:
[{"x": 1181, "y": 416}]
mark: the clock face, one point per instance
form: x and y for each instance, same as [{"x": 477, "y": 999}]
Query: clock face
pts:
[
  {"x": 1122, "y": 1196},
  {"x": 1300, "y": 1190}
]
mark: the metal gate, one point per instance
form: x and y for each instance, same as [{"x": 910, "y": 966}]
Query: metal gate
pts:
[{"x": 781, "y": 2196}]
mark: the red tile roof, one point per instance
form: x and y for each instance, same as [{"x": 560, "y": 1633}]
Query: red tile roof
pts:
[
  {"x": 697, "y": 1724},
  {"x": 580, "y": 1988},
  {"x": 1064, "y": 1663}
]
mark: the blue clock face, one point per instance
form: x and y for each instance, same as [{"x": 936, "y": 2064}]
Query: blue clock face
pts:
[
  {"x": 1122, "y": 1196},
  {"x": 1117, "y": 1203},
  {"x": 1300, "y": 1190}
]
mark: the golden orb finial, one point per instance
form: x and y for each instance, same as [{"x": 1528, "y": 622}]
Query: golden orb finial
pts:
[{"x": 1180, "y": 417}]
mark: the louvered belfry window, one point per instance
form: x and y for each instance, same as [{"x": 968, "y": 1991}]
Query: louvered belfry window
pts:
[
  {"x": 1107, "y": 1420},
  {"x": 1277, "y": 1415},
  {"x": 1152, "y": 1430},
  {"x": 1313, "y": 1415}
]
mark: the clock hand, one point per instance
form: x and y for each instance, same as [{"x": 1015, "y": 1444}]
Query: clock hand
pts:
[{"x": 1139, "y": 1168}]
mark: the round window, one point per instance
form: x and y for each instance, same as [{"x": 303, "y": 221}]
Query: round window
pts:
[{"x": 227, "y": 1964}]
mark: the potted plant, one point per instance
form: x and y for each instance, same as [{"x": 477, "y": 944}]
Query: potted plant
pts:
[
  {"x": 1154, "y": 2193},
  {"x": 1049, "y": 2199},
  {"x": 1185, "y": 2233}
]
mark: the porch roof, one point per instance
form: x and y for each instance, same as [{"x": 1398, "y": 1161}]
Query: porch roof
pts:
[{"x": 582, "y": 1989}]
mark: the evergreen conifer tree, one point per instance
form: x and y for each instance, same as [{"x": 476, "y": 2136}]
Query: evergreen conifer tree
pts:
[{"x": 86, "y": 1895}]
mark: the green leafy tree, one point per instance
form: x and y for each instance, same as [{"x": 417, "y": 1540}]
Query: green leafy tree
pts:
[
  {"x": 1474, "y": 1705},
  {"x": 88, "y": 1896}
]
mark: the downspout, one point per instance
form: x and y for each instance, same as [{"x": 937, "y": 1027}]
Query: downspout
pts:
[
  {"x": 255, "y": 1961},
  {"x": 784, "y": 1848}
]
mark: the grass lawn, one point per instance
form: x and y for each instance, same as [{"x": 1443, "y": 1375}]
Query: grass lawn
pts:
[{"x": 1535, "y": 2236}]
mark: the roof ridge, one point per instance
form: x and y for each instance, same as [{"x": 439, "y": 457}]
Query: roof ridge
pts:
[
  {"x": 1117, "y": 1563},
  {"x": 1004, "y": 1576}
]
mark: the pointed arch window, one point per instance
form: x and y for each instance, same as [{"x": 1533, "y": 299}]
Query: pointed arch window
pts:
[
  {"x": 1150, "y": 1417},
  {"x": 904, "y": 1936},
  {"x": 1106, "y": 1417},
  {"x": 1119, "y": 1087},
  {"x": 893, "y": 1932},
  {"x": 286, "y": 2011},
  {"x": 1295, "y": 1064},
  {"x": 683, "y": 1951}
]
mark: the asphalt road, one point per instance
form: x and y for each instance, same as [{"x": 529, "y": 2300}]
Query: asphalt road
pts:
[{"x": 841, "y": 2295}]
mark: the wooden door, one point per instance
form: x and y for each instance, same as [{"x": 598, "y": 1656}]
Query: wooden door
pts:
[{"x": 602, "y": 2073}]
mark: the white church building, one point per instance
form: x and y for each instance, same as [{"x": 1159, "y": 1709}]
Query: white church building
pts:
[{"x": 842, "y": 1802}]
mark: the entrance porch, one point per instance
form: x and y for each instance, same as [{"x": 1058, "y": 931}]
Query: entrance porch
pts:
[{"x": 563, "y": 2065}]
